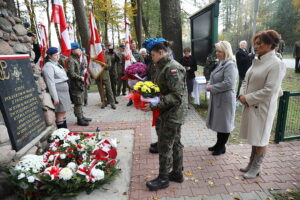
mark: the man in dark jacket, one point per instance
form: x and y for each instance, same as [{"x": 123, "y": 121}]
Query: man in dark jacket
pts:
[
  {"x": 243, "y": 61},
  {"x": 296, "y": 55}
]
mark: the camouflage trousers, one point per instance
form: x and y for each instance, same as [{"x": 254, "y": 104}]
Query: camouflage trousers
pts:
[
  {"x": 169, "y": 147},
  {"x": 77, "y": 97}
]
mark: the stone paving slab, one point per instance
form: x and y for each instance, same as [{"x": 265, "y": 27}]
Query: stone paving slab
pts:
[{"x": 206, "y": 176}]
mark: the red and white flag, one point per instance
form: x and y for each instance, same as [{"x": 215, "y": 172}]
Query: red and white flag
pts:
[
  {"x": 43, "y": 43},
  {"x": 95, "y": 48},
  {"x": 58, "y": 17},
  {"x": 129, "y": 59}
]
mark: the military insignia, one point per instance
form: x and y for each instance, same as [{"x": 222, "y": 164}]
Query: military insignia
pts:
[
  {"x": 16, "y": 73},
  {"x": 174, "y": 71}
]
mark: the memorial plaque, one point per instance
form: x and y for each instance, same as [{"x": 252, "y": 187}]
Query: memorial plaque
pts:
[{"x": 19, "y": 101}]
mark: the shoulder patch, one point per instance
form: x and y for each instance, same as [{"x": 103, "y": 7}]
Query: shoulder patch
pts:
[{"x": 174, "y": 71}]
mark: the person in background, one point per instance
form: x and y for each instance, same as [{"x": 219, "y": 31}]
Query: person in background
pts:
[
  {"x": 190, "y": 65},
  {"x": 210, "y": 65},
  {"x": 56, "y": 79},
  {"x": 146, "y": 57},
  {"x": 243, "y": 61},
  {"x": 121, "y": 84},
  {"x": 296, "y": 55},
  {"x": 84, "y": 64},
  {"x": 76, "y": 83},
  {"x": 281, "y": 45},
  {"x": 170, "y": 78},
  {"x": 221, "y": 85},
  {"x": 259, "y": 94},
  {"x": 114, "y": 59},
  {"x": 136, "y": 54}
]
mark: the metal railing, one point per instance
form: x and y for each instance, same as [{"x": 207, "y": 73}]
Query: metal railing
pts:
[{"x": 288, "y": 117}]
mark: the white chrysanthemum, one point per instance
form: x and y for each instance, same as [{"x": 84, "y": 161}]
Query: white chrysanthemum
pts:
[
  {"x": 30, "y": 179},
  {"x": 66, "y": 174},
  {"x": 72, "y": 166},
  {"x": 22, "y": 175},
  {"x": 113, "y": 142},
  {"x": 65, "y": 145},
  {"x": 91, "y": 142},
  {"x": 97, "y": 173},
  {"x": 51, "y": 158},
  {"x": 60, "y": 133},
  {"x": 54, "y": 148},
  {"x": 72, "y": 138},
  {"x": 63, "y": 156},
  {"x": 30, "y": 162}
]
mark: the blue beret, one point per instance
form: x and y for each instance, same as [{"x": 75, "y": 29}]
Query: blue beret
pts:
[
  {"x": 52, "y": 50},
  {"x": 74, "y": 45},
  {"x": 83, "y": 49},
  {"x": 149, "y": 44}
]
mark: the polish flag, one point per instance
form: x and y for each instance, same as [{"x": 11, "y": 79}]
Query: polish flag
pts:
[
  {"x": 95, "y": 48},
  {"x": 58, "y": 17},
  {"x": 43, "y": 42},
  {"x": 129, "y": 59}
]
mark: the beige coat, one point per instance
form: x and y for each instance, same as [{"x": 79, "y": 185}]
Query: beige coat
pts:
[{"x": 261, "y": 87}]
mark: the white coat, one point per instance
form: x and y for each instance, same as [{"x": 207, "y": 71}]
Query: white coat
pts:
[{"x": 261, "y": 87}]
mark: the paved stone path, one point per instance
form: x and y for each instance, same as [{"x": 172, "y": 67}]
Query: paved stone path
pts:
[{"x": 206, "y": 176}]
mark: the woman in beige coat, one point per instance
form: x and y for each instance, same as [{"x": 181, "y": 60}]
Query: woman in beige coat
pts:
[{"x": 259, "y": 94}]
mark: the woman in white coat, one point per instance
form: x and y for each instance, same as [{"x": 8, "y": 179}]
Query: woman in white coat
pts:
[
  {"x": 221, "y": 110},
  {"x": 259, "y": 94}
]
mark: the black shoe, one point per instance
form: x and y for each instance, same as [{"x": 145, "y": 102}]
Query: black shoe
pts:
[
  {"x": 85, "y": 104},
  {"x": 153, "y": 144},
  {"x": 176, "y": 177},
  {"x": 82, "y": 122},
  {"x": 153, "y": 149},
  {"x": 213, "y": 148},
  {"x": 123, "y": 94},
  {"x": 87, "y": 119},
  {"x": 220, "y": 151},
  {"x": 158, "y": 183},
  {"x": 113, "y": 106},
  {"x": 129, "y": 103},
  {"x": 116, "y": 102}
]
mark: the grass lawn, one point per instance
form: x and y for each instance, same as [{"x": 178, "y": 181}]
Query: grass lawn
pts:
[
  {"x": 290, "y": 83},
  {"x": 287, "y": 195}
]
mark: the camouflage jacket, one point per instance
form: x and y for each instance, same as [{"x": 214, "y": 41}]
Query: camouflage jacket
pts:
[
  {"x": 105, "y": 75},
  {"x": 170, "y": 77},
  {"x": 210, "y": 65},
  {"x": 74, "y": 73}
]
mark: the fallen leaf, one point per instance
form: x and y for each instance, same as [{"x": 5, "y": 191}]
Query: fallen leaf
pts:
[
  {"x": 236, "y": 178},
  {"x": 257, "y": 181},
  {"x": 211, "y": 184},
  {"x": 210, "y": 162},
  {"x": 188, "y": 173},
  {"x": 154, "y": 198},
  {"x": 245, "y": 157},
  {"x": 227, "y": 184},
  {"x": 124, "y": 193},
  {"x": 237, "y": 198},
  {"x": 281, "y": 153},
  {"x": 289, "y": 190},
  {"x": 269, "y": 198},
  {"x": 200, "y": 168}
]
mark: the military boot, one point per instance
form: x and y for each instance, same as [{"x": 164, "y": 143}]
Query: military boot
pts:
[
  {"x": 176, "y": 177},
  {"x": 87, "y": 119},
  {"x": 153, "y": 149},
  {"x": 159, "y": 183},
  {"x": 153, "y": 144},
  {"x": 60, "y": 124},
  {"x": 82, "y": 122}
]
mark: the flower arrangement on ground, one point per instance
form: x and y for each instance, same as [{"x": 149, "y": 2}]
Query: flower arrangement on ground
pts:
[
  {"x": 74, "y": 162},
  {"x": 134, "y": 73}
]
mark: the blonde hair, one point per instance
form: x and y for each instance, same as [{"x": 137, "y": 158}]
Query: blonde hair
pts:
[{"x": 225, "y": 47}]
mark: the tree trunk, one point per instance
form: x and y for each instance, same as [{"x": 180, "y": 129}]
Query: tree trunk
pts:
[
  {"x": 82, "y": 22},
  {"x": 18, "y": 8},
  {"x": 139, "y": 23},
  {"x": 105, "y": 27},
  {"x": 145, "y": 26},
  {"x": 171, "y": 25},
  {"x": 31, "y": 16},
  {"x": 11, "y": 6},
  {"x": 135, "y": 18},
  {"x": 119, "y": 38},
  {"x": 49, "y": 23}
]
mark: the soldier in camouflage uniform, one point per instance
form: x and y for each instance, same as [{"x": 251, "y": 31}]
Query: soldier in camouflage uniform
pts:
[
  {"x": 104, "y": 81},
  {"x": 121, "y": 84},
  {"x": 170, "y": 78},
  {"x": 113, "y": 74},
  {"x": 76, "y": 83}
]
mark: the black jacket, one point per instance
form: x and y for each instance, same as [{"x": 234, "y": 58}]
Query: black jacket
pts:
[
  {"x": 243, "y": 61},
  {"x": 189, "y": 62}
]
